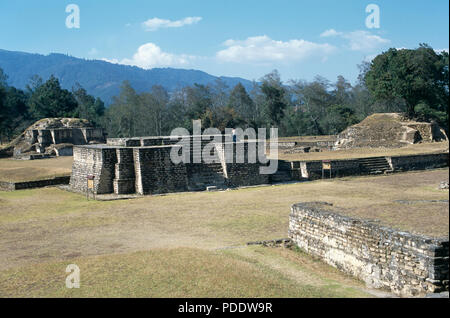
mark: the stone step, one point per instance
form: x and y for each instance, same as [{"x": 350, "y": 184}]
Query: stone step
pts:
[{"x": 376, "y": 165}]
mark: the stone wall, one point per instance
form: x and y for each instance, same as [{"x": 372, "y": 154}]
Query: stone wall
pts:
[
  {"x": 419, "y": 162},
  {"x": 312, "y": 170},
  {"x": 11, "y": 186},
  {"x": 402, "y": 262},
  {"x": 45, "y": 140},
  {"x": 94, "y": 160},
  {"x": 159, "y": 140},
  {"x": 76, "y": 136},
  {"x": 150, "y": 170},
  {"x": 246, "y": 172},
  {"x": 156, "y": 173},
  {"x": 124, "y": 172}
]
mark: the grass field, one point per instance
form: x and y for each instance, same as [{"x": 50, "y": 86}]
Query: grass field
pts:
[
  {"x": 29, "y": 170},
  {"x": 193, "y": 244},
  {"x": 423, "y": 148}
]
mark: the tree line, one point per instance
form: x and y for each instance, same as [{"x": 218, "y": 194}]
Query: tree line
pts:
[
  {"x": 21, "y": 108},
  {"x": 413, "y": 82}
]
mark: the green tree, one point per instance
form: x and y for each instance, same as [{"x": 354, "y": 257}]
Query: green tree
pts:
[
  {"x": 241, "y": 102},
  {"x": 120, "y": 117},
  {"x": 89, "y": 107},
  {"x": 50, "y": 100},
  {"x": 313, "y": 99},
  {"x": 198, "y": 104},
  {"x": 275, "y": 98},
  {"x": 419, "y": 77},
  {"x": 339, "y": 117},
  {"x": 3, "y": 111},
  {"x": 14, "y": 115},
  {"x": 159, "y": 110}
]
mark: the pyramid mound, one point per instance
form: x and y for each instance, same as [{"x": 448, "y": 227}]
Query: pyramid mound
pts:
[
  {"x": 48, "y": 123},
  {"x": 53, "y": 136},
  {"x": 388, "y": 130}
]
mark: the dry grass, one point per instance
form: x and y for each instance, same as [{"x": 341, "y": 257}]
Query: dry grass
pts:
[
  {"x": 28, "y": 170},
  {"x": 180, "y": 272},
  {"x": 43, "y": 230},
  {"x": 308, "y": 138},
  {"x": 424, "y": 148}
]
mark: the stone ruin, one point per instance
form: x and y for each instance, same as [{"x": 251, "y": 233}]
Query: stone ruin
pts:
[
  {"x": 389, "y": 130},
  {"x": 405, "y": 263},
  {"x": 143, "y": 165},
  {"x": 53, "y": 137}
]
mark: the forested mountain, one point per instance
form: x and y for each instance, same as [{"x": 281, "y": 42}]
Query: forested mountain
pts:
[
  {"x": 152, "y": 103},
  {"x": 100, "y": 78}
]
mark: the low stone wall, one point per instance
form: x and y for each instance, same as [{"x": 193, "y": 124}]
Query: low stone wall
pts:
[
  {"x": 418, "y": 162},
  {"x": 312, "y": 170},
  {"x": 11, "y": 186},
  {"x": 402, "y": 262}
]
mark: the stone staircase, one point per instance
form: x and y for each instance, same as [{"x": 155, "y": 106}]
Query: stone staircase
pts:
[
  {"x": 374, "y": 165},
  {"x": 283, "y": 173},
  {"x": 204, "y": 176}
]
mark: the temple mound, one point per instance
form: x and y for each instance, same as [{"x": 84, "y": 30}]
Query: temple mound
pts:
[
  {"x": 53, "y": 137},
  {"x": 389, "y": 130}
]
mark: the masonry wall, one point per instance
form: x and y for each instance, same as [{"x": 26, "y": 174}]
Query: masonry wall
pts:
[
  {"x": 11, "y": 186},
  {"x": 124, "y": 174},
  {"x": 156, "y": 173},
  {"x": 244, "y": 173},
  {"x": 404, "y": 263},
  {"x": 312, "y": 170},
  {"x": 419, "y": 162},
  {"x": 96, "y": 161},
  {"x": 160, "y": 140},
  {"x": 76, "y": 136}
]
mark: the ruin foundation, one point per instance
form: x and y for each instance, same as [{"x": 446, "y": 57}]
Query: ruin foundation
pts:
[
  {"x": 404, "y": 263},
  {"x": 144, "y": 166}
]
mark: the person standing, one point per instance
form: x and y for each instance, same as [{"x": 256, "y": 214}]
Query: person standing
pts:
[{"x": 233, "y": 133}]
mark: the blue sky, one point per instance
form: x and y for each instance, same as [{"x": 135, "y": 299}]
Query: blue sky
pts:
[{"x": 245, "y": 38}]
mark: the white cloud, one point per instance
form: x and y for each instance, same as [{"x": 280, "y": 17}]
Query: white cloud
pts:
[
  {"x": 157, "y": 23},
  {"x": 150, "y": 55},
  {"x": 330, "y": 32},
  {"x": 439, "y": 51},
  {"x": 358, "y": 40},
  {"x": 364, "y": 40},
  {"x": 262, "y": 49},
  {"x": 112, "y": 61}
]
